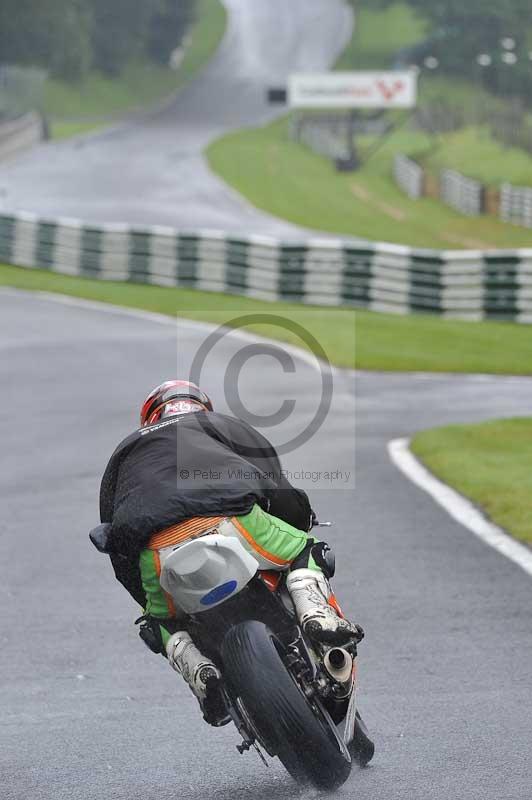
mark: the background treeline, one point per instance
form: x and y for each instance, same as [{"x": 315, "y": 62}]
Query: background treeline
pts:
[
  {"x": 459, "y": 31},
  {"x": 70, "y": 37}
]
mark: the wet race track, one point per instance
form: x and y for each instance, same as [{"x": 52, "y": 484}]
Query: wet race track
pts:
[{"x": 86, "y": 710}]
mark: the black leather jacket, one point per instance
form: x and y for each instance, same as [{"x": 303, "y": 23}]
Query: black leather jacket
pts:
[{"x": 191, "y": 465}]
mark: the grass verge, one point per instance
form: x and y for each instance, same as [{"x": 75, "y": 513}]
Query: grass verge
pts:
[
  {"x": 62, "y": 129},
  {"x": 361, "y": 339},
  {"x": 142, "y": 83},
  {"x": 288, "y": 180},
  {"x": 380, "y": 34},
  {"x": 477, "y": 154},
  {"x": 490, "y": 464}
]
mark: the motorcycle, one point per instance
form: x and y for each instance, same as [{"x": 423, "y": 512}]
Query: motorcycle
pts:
[{"x": 288, "y": 696}]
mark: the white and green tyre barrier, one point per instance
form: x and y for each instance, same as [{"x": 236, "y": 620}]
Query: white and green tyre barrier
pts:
[{"x": 382, "y": 277}]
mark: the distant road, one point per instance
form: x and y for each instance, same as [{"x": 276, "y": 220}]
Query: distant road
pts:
[{"x": 151, "y": 170}]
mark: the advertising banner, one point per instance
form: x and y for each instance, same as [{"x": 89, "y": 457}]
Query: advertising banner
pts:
[{"x": 353, "y": 90}]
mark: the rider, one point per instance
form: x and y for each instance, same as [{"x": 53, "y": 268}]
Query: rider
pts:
[{"x": 186, "y": 470}]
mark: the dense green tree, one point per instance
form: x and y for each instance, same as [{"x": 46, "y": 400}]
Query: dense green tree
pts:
[
  {"x": 54, "y": 34},
  {"x": 461, "y": 30},
  {"x": 471, "y": 27},
  {"x": 72, "y": 52},
  {"x": 125, "y": 29},
  {"x": 467, "y": 29},
  {"x": 120, "y": 32},
  {"x": 169, "y": 25},
  {"x": 68, "y": 36}
]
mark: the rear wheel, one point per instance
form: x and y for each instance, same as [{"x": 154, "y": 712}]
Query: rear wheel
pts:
[{"x": 300, "y": 734}]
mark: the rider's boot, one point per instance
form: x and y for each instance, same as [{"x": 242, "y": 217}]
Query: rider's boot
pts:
[
  {"x": 310, "y": 592},
  {"x": 202, "y": 676}
]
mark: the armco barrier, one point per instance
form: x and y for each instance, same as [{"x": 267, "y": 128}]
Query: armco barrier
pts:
[
  {"x": 409, "y": 176},
  {"x": 463, "y": 284},
  {"x": 20, "y": 134},
  {"x": 516, "y": 205},
  {"x": 326, "y": 135},
  {"x": 464, "y": 194},
  {"x": 332, "y": 135}
]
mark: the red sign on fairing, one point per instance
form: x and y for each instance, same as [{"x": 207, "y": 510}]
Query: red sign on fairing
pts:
[{"x": 353, "y": 90}]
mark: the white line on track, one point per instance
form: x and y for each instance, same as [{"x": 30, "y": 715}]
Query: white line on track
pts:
[{"x": 457, "y": 506}]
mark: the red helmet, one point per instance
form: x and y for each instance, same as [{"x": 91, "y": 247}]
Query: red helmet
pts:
[{"x": 173, "y": 397}]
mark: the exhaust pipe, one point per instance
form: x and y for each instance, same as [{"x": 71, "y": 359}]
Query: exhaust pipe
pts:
[{"x": 339, "y": 664}]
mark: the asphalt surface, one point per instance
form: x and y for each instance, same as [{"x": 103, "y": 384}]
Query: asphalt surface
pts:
[
  {"x": 88, "y": 712},
  {"x": 151, "y": 170},
  {"x": 85, "y": 710}
]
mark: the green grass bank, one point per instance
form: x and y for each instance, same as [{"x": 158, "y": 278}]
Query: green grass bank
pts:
[
  {"x": 288, "y": 180},
  {"x": 360, "y": 339},
  {"x": 474, "y": 152},
  {"x": 488, "y": 463}
]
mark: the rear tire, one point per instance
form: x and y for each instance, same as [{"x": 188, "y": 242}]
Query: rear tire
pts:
[{"x": 304, "y": 740}]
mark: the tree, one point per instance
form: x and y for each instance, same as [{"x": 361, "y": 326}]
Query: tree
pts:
[
  {"x": 463, "y": 30},
  {"x": 68, "y": 36},
  {"x": 472, "y": 25},
  {"x": 54, "y": 34},
  {"x": 169, "y": 25},
  {"x": 119, "y": 32},
  {"x": 72, "y": 53}
]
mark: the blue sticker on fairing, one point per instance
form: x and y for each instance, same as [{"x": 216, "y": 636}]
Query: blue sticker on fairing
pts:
[{"x": 218, "y": 594}]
